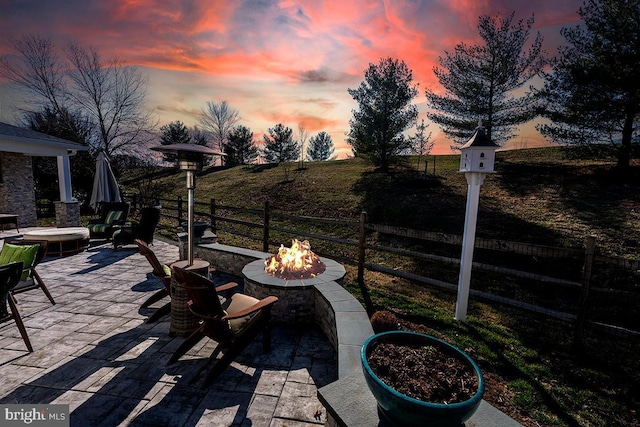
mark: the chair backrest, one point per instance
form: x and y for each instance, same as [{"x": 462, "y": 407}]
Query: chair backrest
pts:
[
  {"x": 108, "y": 207},
  {"x": 158, "y": 270},
  {"x": 201, "y": 291},
  {"x": 9, "y": 278},
  {"x": 149, "y": 218},
  {"x": 205, "y": 303}
]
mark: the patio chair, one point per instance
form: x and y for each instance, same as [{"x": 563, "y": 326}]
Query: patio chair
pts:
[
  {"x": 113, "y": 213},
  {"x": 31, "y": 253},
  {"x": 143, "y": 230},
  {"x": 9, "y": 277},
  {"x": 232, "y": 324},
  {"x": 162, "y": 272}
]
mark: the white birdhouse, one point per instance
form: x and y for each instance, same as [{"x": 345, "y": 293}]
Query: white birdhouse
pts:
[{"x": 479, "y": 153}]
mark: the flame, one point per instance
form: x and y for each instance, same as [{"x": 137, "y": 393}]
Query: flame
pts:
[{"x": 297, "y": 262}]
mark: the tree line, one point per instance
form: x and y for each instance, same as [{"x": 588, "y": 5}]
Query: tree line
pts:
[
  {"x": 238, "y": 143},
  {"x": 590, "y": 92}
]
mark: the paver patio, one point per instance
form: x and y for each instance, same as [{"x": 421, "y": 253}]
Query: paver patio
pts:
[{"x": 93, "y": 350}]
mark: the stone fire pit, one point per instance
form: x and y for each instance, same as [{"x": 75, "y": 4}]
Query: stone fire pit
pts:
[{"x": 295, "y": 297}]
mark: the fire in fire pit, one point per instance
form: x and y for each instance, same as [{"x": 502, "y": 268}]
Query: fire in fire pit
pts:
[{"x": 297, "y": 262}]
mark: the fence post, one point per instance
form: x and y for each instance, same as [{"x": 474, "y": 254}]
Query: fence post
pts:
[
  {"x": 212, "y": 214},
  {"x": 584, "y": 295},
  {"x": 361, "y": 257},
  {"x": 179, "y": 210},
  {"x": 265, "y": 232}
]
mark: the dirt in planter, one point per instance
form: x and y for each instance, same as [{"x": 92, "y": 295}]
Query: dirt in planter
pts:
[{"x": 423, "y": 372}]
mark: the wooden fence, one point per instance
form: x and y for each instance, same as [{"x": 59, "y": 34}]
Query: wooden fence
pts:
[{"x": 569, "y": 288}]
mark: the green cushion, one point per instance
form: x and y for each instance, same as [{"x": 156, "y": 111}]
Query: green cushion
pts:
[
  {"x": 98, "y": 228},
  {"x": 25, "y": 253},
  {"x": 112, "y": 216},
  {"x": 166, "y": 269}
]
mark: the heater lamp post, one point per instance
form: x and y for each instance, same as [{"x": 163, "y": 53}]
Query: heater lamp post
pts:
[
  {"x": 477, "y": 158},
  {"x": 190, "y": 159}
]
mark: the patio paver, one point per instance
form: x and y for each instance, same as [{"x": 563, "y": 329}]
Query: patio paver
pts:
[{"x": 94, "y": 352}]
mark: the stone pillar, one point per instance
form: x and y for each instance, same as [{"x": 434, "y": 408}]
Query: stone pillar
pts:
[
  {"x": 67, "y": 214},
  {"x": 17, "y": 195}
]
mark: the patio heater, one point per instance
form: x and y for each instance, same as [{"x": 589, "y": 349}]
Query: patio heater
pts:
[
  {"x": 477, "y": 158},
  {"x": 190, "y": 159}
]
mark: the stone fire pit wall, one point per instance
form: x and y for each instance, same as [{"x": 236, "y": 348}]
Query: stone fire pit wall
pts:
[{"x": 296, "y": 298}]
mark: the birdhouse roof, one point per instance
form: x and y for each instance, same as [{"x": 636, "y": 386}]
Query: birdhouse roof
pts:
[{"x": 480, "y": 139}]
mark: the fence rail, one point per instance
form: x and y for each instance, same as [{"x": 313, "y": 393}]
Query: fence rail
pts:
[{"x": 360, "y": 250}]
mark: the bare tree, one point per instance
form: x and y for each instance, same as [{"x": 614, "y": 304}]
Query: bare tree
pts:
[
  {"x": 422, "y": 144},
  {"x": 110, "y": 94},
  {"x": 36, "y": 68},
  {"x": 113, "y": 95},
  {"x": 218, "y": 119},
  {"x": 303, "y": 135}
]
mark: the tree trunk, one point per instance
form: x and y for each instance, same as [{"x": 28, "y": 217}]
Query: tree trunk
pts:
[{"x": 624, "y": 154}]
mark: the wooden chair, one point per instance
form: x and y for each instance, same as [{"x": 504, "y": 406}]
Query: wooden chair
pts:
[
  {"x": 30, "y": 278},
  {"x": 232, "y": 324},
  {"x": 162, "y": 272},
  {"x": 9, "y": 278}
]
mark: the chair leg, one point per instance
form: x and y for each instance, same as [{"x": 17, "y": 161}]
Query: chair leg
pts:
[
  {"x": 266, "y": 333},
  {"x": 219, "y": 365},
  {"x": 189, "y": 342},
  {"x": 37, "y": 278},
  {"x": 162, "y": 311},
  {"x": 155, "y": 298},
  {"x": 21, "y": 328}
]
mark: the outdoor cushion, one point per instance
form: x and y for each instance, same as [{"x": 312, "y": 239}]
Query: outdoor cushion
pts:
[
  {"x": 166, "y": 269},
  {"x": 238, "y": 303},
  {"x": 13, "y": 253},
  {"x": 113, "y": 216}
]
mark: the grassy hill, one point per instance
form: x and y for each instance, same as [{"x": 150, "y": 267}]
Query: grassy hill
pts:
[{"x": 550, "y": 196}]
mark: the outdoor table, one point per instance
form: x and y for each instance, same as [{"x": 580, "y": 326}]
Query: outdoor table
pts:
[
  {"x": 62, "y": 240},
  {"x": 183, "y": 322},
  {"x": 9, "y": 219}
]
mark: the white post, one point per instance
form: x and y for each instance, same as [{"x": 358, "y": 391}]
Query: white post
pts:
[
  {"x": 474, "y": 181},
  {"x": 64, "y": 178}
]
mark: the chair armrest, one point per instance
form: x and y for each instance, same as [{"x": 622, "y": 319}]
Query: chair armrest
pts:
[
  {"x": 263, "y": 303},
  {"x": 96, "y": 221},
  {"x": 228, "y": 287}
]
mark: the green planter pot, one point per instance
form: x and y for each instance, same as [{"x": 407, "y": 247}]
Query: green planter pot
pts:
[{"x": 397, "y": 409}]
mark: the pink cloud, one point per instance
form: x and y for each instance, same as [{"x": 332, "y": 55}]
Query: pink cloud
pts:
[{"x": 290, "y": 61}]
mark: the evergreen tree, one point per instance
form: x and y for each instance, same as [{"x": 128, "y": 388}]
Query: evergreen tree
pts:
[
  {"x": 593, "y": 91},
  {"x": 240, "y": 148},
  {"x": 480, "y": 81},
  {"x": 384, "y": 112},
  {"x": 279, "y": 145},
  {"x": 320, "y": 147},
  {"x": 174, "y": 133}
]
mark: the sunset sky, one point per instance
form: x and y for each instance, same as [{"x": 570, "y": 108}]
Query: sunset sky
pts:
[{"x": 288, "y": 62}]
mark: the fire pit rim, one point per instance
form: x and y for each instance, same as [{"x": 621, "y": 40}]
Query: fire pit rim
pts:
[{"x": 255, "y": 271}]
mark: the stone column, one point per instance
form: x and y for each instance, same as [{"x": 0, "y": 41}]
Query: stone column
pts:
[{"x": 67, "y": 214}]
